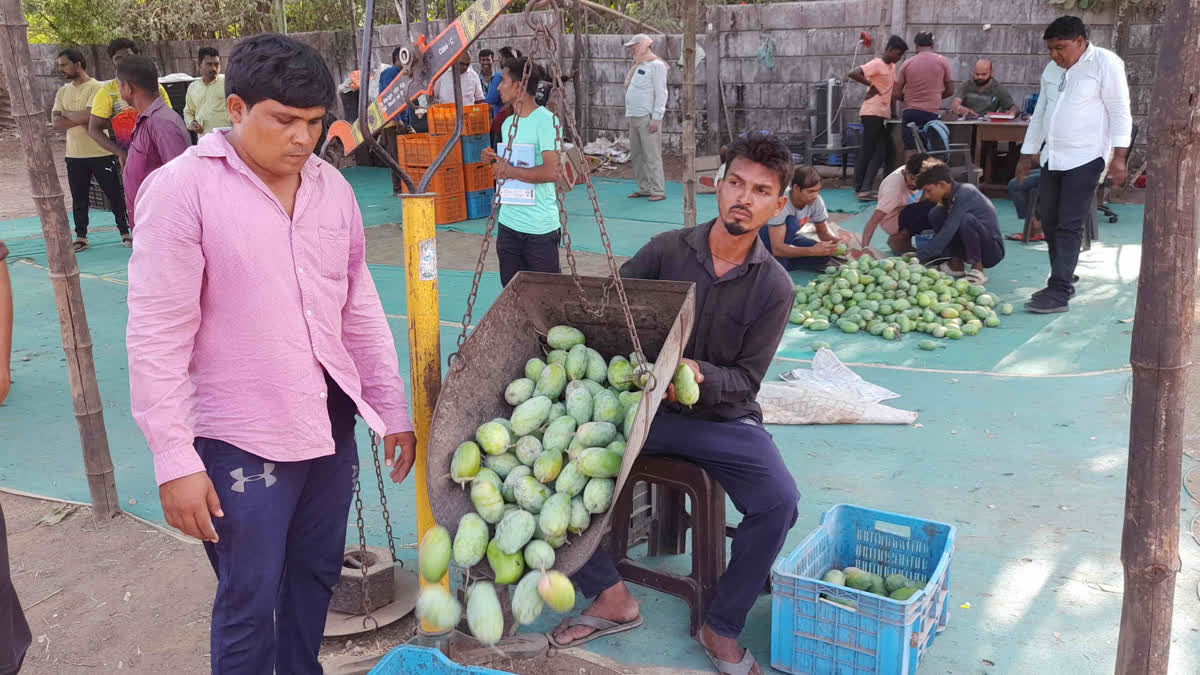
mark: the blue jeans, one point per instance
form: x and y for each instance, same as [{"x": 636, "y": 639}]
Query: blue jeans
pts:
[
  {"x": 742, "y": 457},
  {"x": 1023, "y": 192},
  {"x": 280, "y": 549},
  {"x": 792, "y": 236}
]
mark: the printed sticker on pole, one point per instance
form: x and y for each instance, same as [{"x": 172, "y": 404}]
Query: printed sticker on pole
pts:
[{"x": 427, "y": 261}]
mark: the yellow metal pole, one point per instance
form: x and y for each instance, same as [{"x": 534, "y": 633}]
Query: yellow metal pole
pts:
[{"x": 424, "y": 344}]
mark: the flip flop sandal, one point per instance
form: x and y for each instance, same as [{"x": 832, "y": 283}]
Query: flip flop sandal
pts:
[
  {"x": 635, "y": 195},
  {"x": 1020, "y": 236},
  {"x": 657, "y": 198},
  {"x": 80, "y": 245},
  {"x": 742, "y": 667},
  {"x": 603, "y": 627}
]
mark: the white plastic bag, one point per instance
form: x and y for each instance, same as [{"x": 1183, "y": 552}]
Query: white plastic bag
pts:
[{"x": 828, "y": 393}]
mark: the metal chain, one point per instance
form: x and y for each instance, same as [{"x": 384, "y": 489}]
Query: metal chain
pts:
[
  {"x": 551, "y": 55},
  {"x": 362, "y": 549},
  {"x": 387, "y": 518},
  {"x": 545, "y": 47}
]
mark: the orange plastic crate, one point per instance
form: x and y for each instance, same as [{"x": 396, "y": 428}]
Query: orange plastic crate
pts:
[
  {"x": 449, "y": 208},
  {"x": 447, "y": 179},
  {"x": 415, "y": 150},
  {"x": 477, "y": 119},
  {"x": 479, "y": 176}
]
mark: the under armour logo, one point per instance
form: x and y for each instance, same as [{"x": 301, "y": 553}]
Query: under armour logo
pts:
[{"x": 240, "y": 478}]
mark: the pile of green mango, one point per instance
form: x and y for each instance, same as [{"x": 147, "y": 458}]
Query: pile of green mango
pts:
[
  {"x": 894, "y": 296},
  {"x": 542, "y": 473},
  {"x": 894, "y": 586}
]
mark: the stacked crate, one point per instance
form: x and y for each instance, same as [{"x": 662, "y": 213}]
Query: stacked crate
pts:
[
  {"x": 478, "y": 179},
  {"x": 463, "y": 183}
]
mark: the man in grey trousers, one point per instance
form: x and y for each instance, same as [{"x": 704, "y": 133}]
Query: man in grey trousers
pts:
[{"x": 645, "y": 103}]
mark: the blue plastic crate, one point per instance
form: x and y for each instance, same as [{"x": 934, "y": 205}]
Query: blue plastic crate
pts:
[
  {"x": 479, "y": 203},
  {"x": 879, "y": 636},
  {"x": 472, "y": 147},
  {"x": 407, "y": 659}
]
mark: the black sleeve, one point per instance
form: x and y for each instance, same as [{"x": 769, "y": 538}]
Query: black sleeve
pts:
[
  {"x": 740, "y": 382},
  {"x": 646, "y": 263}
]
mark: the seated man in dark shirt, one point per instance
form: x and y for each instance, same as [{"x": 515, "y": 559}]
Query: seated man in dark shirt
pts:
[
  {"x": 966, "y": 229},
  {"x": 743, "y": 298}
]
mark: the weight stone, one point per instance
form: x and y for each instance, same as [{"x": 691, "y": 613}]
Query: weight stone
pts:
[{"x": 347, "y": 594}]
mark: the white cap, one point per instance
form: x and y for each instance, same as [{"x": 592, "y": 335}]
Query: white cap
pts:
[{"x": 639, "y": 38}]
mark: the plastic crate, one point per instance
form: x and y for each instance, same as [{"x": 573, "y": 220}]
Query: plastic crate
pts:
[
  {"x": 479, "y": 203},
  {"x": 420, "y": 150},
  {"x": 97, "y": 200},
  {"x": 446, "y": 180},
  {"x": 449, "y": 208},
  {"x": 479, "y": 176},
  {"x": 406, "y": 659},
  {"x": 472, "y": 147},
  {"x": 477, "y": 119},
  {"x": 880, "y": 636}
]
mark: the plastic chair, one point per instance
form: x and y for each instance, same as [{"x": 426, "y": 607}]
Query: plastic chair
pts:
[
  {"x": 672, "y": 479},
  {"x": 963, "y": 150},
  {"x": 1106, "y": 184}
]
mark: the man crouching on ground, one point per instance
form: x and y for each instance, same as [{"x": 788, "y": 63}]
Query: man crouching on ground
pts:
[
  {"x": 743, "y": 298},
  {"x": 255, "y": 335}
]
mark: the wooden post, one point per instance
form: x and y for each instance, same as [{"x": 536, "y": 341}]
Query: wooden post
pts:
[
  {"x": 1161, "y": 352},
  {"x": 64, "y": 270},
  {"x": 712, "y": 77},
  {"x": 689, "y": 114},
  {"x": 576, "y": 58}
]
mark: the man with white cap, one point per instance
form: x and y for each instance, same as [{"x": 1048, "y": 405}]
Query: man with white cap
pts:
[{"x": 645, "y": 103}]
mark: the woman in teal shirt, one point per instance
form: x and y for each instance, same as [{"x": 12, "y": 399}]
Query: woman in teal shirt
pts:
[{"x": 529, "y": 225}]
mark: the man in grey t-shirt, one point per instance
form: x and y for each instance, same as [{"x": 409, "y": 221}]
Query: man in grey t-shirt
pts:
[{"x": 645, "y": 103}]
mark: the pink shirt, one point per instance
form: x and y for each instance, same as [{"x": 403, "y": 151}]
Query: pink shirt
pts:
[
  {"x": 236, "y": 311},
  {"x": 922, "y": 79},
  {"x": 881, "y": 75}
]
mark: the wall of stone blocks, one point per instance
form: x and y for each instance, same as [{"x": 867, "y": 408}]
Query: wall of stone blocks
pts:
[{"x": 768, "y": 58}]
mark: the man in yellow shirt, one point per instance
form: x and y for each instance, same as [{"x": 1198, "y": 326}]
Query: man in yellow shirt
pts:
[
  {"x": 110, "y": 114},
  {"x": 85, "y": 159},
  {"x": 205, "y": 104}
]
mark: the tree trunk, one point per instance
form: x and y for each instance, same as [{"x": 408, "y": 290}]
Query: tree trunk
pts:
[
  {"x": 1161, "y": 352},
  {"x": 64, "y": 271},
  {"x": 689, "y": 115}
]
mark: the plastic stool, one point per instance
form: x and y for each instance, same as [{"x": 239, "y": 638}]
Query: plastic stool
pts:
[{"x": 673, "y": 478}]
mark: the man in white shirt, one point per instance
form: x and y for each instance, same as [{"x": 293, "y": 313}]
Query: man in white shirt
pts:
[
  {"x": 645, "y": 104},
  {"x": 1082, "y": 116},
  {"x": 472, "y": 87}
]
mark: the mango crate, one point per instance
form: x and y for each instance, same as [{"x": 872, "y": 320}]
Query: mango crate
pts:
[
  {"x": 477, "y": 119},
  {"x": 479, "y": 176},
  {"x": 448, "y": 209},
  {"x": 449, "y": 178},
  {"x": 407, "y": 659},
  {"x": 479, "y": 203},
  {"x": 472, "y": 147},
  {"x": 413, "y": 150},
  {"x": 811, "y": 633}
]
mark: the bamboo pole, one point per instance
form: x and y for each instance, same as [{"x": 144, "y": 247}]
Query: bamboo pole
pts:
[
  {"x": 1161, "y": 352},
  {"x": 576, "y": 58},
  {"x": 689, "y": 114},
  {"x": 64, "y": 270}
]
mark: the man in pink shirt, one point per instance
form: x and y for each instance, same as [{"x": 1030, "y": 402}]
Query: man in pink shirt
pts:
[
  {"x": 878, "y": 75},
  {"x": 255, "y": 334},
  {"x": 922, "y": 82}
]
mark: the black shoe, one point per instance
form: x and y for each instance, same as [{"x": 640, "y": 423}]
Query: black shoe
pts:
[
  {"x": 1045, "y": 304},
  {"x": 1038, "y": 294}
]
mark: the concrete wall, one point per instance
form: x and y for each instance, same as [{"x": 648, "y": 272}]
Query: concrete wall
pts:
[{"x": 768, "y": 58}]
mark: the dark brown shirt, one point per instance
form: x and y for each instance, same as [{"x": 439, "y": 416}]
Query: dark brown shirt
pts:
[{"x": 740, "y": 317}]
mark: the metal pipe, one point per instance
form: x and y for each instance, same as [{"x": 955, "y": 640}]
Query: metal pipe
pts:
[{"x": 364, "y": 88}]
